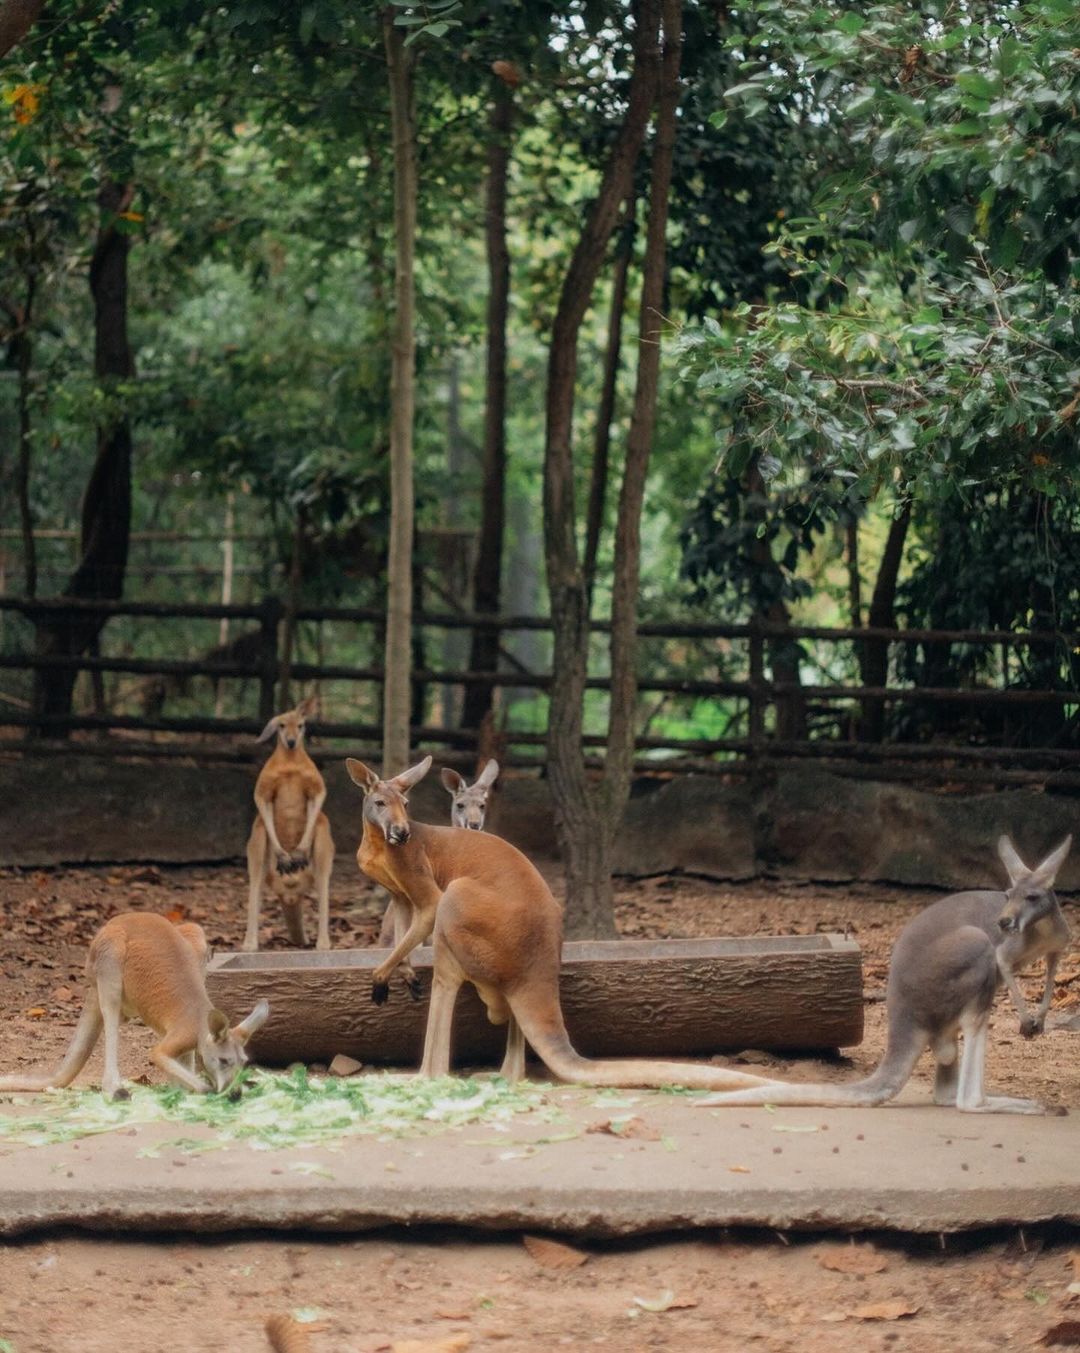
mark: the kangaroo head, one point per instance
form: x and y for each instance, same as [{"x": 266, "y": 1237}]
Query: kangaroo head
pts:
[
  {"x": 469, "y": 803},
  {"x": 223, "y": 1051},
  {"x": 386, "y": 804},
  {"x": 290, "y": 726},
  {"x": 1031, "y": 891}
]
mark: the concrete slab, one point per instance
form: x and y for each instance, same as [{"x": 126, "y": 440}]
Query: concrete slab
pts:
[{"x": 909, "y": 1167}]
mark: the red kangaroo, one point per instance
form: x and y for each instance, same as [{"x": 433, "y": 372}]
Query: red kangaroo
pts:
[
  {"x": 290, "y": 850},
  {"x": 496, "y": 925},
  {"x": 141, "y": 966}
]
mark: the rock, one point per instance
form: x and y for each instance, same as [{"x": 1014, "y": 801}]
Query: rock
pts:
[{"x": 345, "y": 1066}]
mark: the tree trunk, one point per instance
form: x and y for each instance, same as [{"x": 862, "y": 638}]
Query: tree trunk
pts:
[
  {"x": 627, "y": 573},
  {"x": 397, "y": 691},
  {"x": 783, "y": 652},
  {"x": 598, "y": 479},
  {"x": 874, "y": 653},
  {"x": 487, "y": 578},
  {"x": 292, "y": 605},
  {"x": 106, "y": 511},
  {"x": 578, "y": 816},
  {"x": 24, "y": 345},
  {"x": 17, "y": 17},
  {"x": 851, "y": 536}
]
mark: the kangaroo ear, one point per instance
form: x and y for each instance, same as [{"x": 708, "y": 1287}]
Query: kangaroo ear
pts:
[
  {"x": 360, "y": 774},
  {"x": 308, "y": 707},
  {"x": 254, "y": 1021},
  {"x": 219, "y": 1025},
  {"x": 269, "y": 730},
  {"x": 489, "y": 774},
  {"x": 452, "y": 782},
  {"x": 1014, "y": 865},
  {"x": 1046, "y": 872},
  {"x": 410, "y": 777}
]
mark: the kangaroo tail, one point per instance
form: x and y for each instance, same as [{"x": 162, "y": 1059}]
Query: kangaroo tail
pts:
[
  {"x": 883, "y": 1084},
  {"x": 292, "y": 911},
  {"x": 542, "y": 1024},
  {"x": 82, "y": 1045}
]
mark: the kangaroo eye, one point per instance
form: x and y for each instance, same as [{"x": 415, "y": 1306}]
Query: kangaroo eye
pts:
[
  {"x": 380, "y": 803},
  {"x": 404, "y": 803}
]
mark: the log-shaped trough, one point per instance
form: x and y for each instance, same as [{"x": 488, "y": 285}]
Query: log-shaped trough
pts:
[{"x": 619, "y": 997}]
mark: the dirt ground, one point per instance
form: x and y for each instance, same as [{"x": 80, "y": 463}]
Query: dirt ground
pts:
[{"x": 436, "y": 1292}]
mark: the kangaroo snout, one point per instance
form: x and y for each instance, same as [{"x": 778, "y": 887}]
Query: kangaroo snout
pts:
[
  {"x": 397, "y": 836},
  {"x": 1008, "y": 922}
]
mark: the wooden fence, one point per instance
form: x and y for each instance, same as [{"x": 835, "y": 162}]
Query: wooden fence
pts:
[{"x": 955, "y": 761}]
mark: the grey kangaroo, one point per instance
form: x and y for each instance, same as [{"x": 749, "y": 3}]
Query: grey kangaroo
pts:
[
  {"x": 946, "y": 967},
  {"x": 468, "y": 809}
]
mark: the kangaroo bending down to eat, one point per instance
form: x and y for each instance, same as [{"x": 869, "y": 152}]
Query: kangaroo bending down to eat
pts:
[
  {"x": 496, "y": 925},
  {"x": 141, "y": 966},
  {"x": 468, "y": 809},
  {"x": 945, "y": 970},
  {"x": 290, "y": 850}
]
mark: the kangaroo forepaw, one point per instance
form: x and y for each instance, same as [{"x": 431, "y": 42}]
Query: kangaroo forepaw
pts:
[
  {"x": 1032, "y": 1025},
  {"x": 119, "y": 1095},
  {"x": 380, "y": 992},
  {"x": 416, "y": 990}
]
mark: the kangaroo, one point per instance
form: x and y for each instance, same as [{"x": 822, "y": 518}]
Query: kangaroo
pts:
[
  {"x": 290, "y": 849},
  {"x": 468, "y": 809},
  {"x": 141, "y": 966},
  {"x": 945, "y": 969},
  {"x": 496, "y": 925}
]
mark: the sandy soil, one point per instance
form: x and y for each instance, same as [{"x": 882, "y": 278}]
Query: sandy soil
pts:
[{"x": 452, "y": 1292}]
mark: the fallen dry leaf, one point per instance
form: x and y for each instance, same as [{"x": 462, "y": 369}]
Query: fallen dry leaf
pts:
[
  {"x": 35, "y": 1012},
  {"x": 738, "y": 1169},
  {"x": 553, "y": 1253},
  {"x": 287, "y": 1335},
  {"x": 449, "y": 1314},
  {"x": 666, "y": 1301},
  {"x": 452, "y": 1343},
  {"x": 896, "y": 1309},
  {"x": 860, "y": 1259},
  {"x": 63, "y": 994},
  {"x": 1063, "y": 1335},
  {"x": 626, "y": 1127}
]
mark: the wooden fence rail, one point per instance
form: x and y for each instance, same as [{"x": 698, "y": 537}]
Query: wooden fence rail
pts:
[{"x": 758, "y": 691}]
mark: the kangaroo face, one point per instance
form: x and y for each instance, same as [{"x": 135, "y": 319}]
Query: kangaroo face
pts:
[
  {"x": 469, "y": 803},
  {"x": 289, "y": 726},
  {"x": 1031, "y": 891},
  {"x": 223, "y": 1051},
  {"x": 386, "y": 805}
]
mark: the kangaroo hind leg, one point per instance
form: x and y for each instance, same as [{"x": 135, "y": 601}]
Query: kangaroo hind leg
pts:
[
  {"x": 970, "y": 1095},
  {"x": 109, "y": 978}
]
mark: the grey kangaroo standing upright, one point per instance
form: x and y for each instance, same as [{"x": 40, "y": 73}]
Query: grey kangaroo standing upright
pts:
[{"x": 946, "y": 967}]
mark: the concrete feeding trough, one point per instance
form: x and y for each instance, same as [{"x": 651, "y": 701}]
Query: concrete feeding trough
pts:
[{"x": 656, "y": 998}]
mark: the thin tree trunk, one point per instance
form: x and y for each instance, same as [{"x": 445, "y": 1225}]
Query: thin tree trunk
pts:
[
  {"x": 228, "y": 564},
  {"x": 874, "y": 653},
  {"x": 783, "y": 652},
  {"x": 598, "y": 478},
  {"x": 397, "y": 690},
  {"x": 106, "y": 511},
  {"x": 487, "y": 576},
  {"x": 292, "y": 605},
  {"x": 25, "y": 358},
  {"x": 578, "y": 815},
  {"x": 851, "y": 536},
  {"x": 627, "y": 573}
]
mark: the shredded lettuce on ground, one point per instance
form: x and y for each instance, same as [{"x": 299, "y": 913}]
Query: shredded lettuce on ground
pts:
[{"x": 276, "y": 1110}]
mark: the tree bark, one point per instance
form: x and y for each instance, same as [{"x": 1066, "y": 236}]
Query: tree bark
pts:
[
  {"x": 487, "y": 577},
  {"x": 598, "y": 478},
  {"x": 627, "y": 571},
  {"x": 106, "y": 510},
  {"x": 578, "y": 815},
  {"x": 397, "y": 691},
  {"x": 783, "y": 652},
  {"x": 874, "y": 653},
  {"x": 851, "y": 536},
  {"x": 24, "y": 345},
  {"x": 17, "y": 17}
]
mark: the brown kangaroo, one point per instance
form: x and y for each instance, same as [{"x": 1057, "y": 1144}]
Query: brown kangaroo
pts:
[
  {"x": 141, "y": 966},
  {"x": 468, "y": 808},
  {"x": 290, "y": 849},
  {"x": 496, "y": 925},
  {"x": 945, "y": 970}
]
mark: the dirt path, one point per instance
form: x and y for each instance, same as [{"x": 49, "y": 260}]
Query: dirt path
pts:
[{"x": 453, "y": 1292}]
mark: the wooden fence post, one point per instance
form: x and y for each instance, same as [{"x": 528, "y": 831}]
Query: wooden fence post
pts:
[
  {"x": 757, "y": 690},
  {"x": 270, "y": 613}
]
